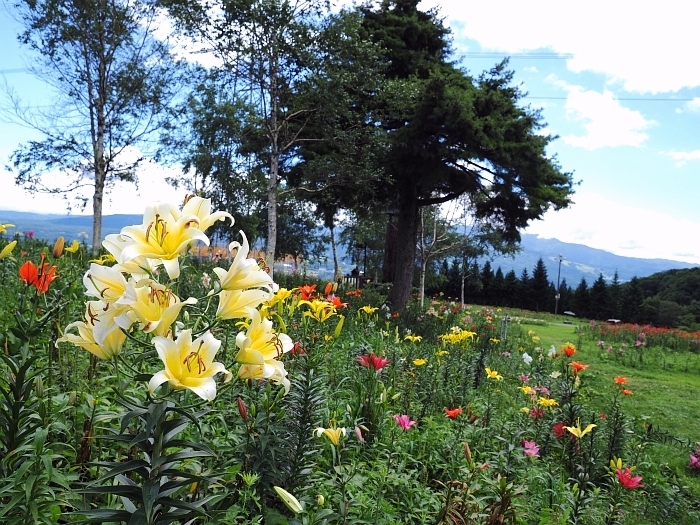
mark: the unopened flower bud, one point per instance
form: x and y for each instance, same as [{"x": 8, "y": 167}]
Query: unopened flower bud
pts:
[
  {"x": 467, "y": 452},
  {"x": 58, "y": 247},
  {"x": 320, "y": 500},
  {"x": 242, "y": 409},
  {"x": 39, "y": 387}
]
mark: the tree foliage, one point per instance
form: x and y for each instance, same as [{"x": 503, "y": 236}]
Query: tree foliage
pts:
[{"x": 113, "y": 81}]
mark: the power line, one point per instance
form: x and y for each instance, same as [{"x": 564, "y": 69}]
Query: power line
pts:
[
  {"x": 535, "y": 56},
  {"x": 627, "y": 99}
]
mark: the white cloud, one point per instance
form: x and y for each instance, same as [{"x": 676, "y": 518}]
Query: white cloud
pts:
[
  {"x": 647, "y": 47},
  {"x": 693, "y": 105},
  {"x": 681, "y": 157},
  {"x": 124, "y": 198},
  {"x": 598, "y": 222},
  {"x": 607, "y": 123}
]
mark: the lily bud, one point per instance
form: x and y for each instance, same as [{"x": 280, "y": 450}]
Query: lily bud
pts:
[
  {"x": 467, "y": 452},
  {"x": 320, "y": 500},
  {"x": 242, "y": 410},
  {"x": 39, "y": 387},
  {"x": 58, "y": 247}
]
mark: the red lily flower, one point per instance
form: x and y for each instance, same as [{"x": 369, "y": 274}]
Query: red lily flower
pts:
[
  {"x": 28, "y": 273},
  {"x": 577, "y": 367},
  {"x": 307, "y": 291},
  {"x": 453, "y": 413},
  {"x": 627, "y": 480},
  {"x": 335, "y": 301},
  {"x": 372, "y": 361}
]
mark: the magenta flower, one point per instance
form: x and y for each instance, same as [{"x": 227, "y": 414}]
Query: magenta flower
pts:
[
  {"x": 694, "y": 461},
  {"x": 532, "y": 449},
  {"x": 524, "y": 378},
  {"x": 404, "y": 421}
]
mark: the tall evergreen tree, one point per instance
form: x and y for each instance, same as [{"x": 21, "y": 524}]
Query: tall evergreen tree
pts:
[
  {"x": 524, "y": 291},
  {"x": 498, "y": 288},
  {"x": 581, "y": 299},
  {"x": 599, "y": 308},
  {"x": 615, "y": 296},
  {"x": 632, "y": 300},
  {"x": 540, "y": 287},
  {"x": 445, "y": 130},
  {"x": 510, "y": 293},
  {"x": 486, "y": 283}
]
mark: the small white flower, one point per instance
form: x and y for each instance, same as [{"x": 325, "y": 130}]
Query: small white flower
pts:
[{"x": 527, "y": 358}]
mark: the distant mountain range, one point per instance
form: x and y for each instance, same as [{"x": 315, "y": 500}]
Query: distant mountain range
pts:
[{"x": 578, "y": 260}]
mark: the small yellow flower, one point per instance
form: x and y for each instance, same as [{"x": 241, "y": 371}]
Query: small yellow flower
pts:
[
  {"x": 419, "y": 362},
  {"x": 413, "y": 338},
  {"x": 494, "y": 340},
  {"x": 555, "y": 374},
  {"x": 441, "y": 353},
  {"x": 73, "y": 247},
  {"x": 546, "y": 402},
  {"x": 576, "y": 431},
  {"x": 4, "y": 227},
  {"x": 493, "y": 374},
  {"x": 527, "y": 390},
  {"x": 525, "y": 410},
  {"x": 333, "y": 434},
  {"x": 369, "y": 310}
]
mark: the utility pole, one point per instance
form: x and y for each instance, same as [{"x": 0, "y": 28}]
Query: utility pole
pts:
[{"x": 556, "y": 297}]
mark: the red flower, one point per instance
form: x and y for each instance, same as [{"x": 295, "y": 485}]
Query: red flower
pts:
[
  {"x": 536, "y": 412},
  {"x": 297, "y": 349},
  {"x": 40, "y": 277},
  {"x": 559, "y": 430},
  {"x": 627, "y": 480},
  {"x": 569, "y": 349},
  {"x": 453, "y": 413},
  {"x": 372, "y": 361},
  {"x": 577, "y": 367},
  {"x": 626, "y": 392},
  {"x": 335, "y": 301},
  {"x": 28, "y": 273},
  {"x": 329, "y": 289},
  {"x": 307, "y": 291},
  {"x": 620, "y": 380}
]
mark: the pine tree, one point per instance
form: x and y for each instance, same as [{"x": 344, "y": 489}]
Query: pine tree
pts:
[
  {"x": 581, "y": 299},
  {"x": 599, "y": 308},
  {"x": 540, "y": 287}
]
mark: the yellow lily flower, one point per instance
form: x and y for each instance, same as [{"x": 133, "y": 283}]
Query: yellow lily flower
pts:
[
  {"x": 260, "y": 349},
  {"x": 576, "y": 431},
  {"x": 333, "y": 434},
  {"x": 163, "y": 237},
  {"x": 139, "y": 267},
  {"x": 156, "y": 307},
  {"x": 7, "y": 250},
  {"x": 104, "y": 318},
  {"x": 493, "y": 374},
  {"x": 244, "y": 272},
  {"x": 413, "y": 338},
  {"x": 73, "y": 247},
  {"x": 189, "y": 364},
  {"x": 110, "y": 346},
  {"x": 320, "y": 310},
  {"x": 546, "y": 402},
  {"x": 104, "y": 282},
  {"x": 201, "y": 208},
  {"x": 235, "y": 304},
  {"x": 4, "y": 227},
  {"x": 369, "y": 310},
  {"x": 419, "y": 362}
]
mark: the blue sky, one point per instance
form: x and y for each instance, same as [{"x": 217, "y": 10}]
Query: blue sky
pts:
[{"x": 617, "y": 82}]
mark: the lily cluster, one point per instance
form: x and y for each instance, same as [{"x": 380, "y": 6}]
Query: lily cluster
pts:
[{"x": 129, "y": 297}]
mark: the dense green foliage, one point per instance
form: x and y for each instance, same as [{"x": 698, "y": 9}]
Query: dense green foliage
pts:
[{"x": 76, "y": 441}]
